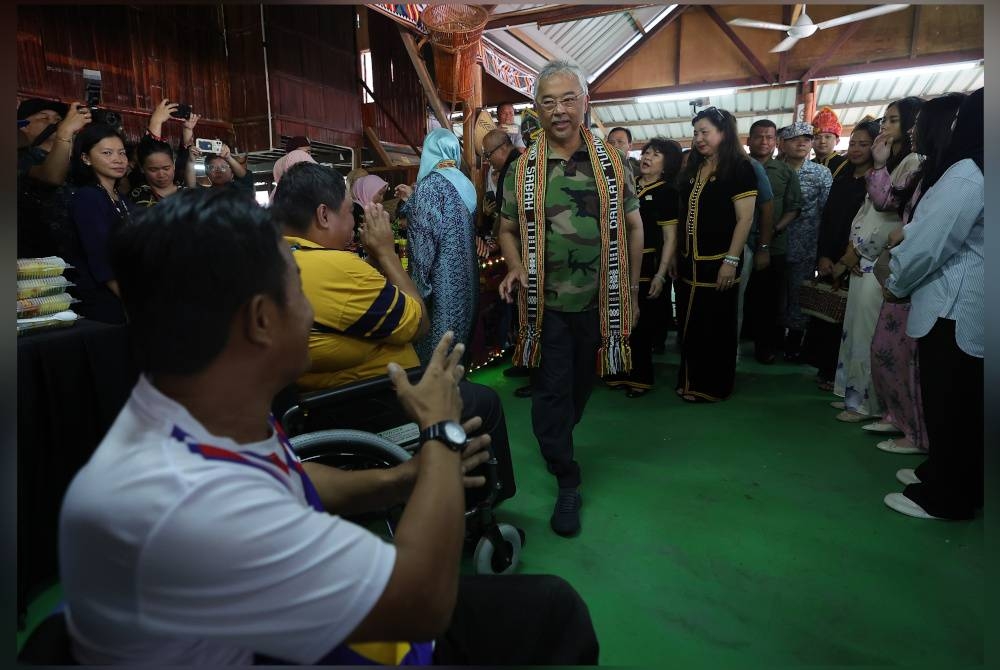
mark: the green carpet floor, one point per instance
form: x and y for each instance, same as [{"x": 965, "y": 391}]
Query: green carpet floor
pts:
[
  {"x": 749, "y": 532},
  {"x": 746, "y": 533}
]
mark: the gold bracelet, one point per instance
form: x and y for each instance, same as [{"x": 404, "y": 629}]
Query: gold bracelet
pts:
[{"x": 63, "y": 139}]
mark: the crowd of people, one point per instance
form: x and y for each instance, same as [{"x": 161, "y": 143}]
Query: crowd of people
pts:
[{"x": 228, "y": 549}]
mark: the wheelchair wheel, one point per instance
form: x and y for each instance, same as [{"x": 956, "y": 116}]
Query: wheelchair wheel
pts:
[
  {"x": 491, "y": 559},
  {"x": 348, "y": 449}
]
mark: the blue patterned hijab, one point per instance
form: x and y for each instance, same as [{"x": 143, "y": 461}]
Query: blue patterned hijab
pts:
[{"x": 442, "y": 145}]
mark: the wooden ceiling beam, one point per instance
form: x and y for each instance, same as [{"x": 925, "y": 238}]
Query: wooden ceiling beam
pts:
[
  {"x": 657, "y": 29},
  {"x": 531, "y": 44},
  {"x": 765, "y": 75},
  {"x": 551, "y": 14},
  {"x": 834, "y": 48},
  {"x": 608, "y": 96},
  {"x": 914, "y": 33},
  {"x": 906, "y": 62}
]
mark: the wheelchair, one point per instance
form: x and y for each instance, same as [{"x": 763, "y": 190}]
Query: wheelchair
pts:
[{"x": 377, "y": 439}]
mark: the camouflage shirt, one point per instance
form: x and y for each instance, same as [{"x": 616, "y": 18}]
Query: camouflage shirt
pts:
[{"x": 572, "y": 230}]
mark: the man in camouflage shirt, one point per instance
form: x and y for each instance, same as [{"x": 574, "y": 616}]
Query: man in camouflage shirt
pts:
[
  {"x": 803, "y": 232},
  {"x": 571, "y": 334}
]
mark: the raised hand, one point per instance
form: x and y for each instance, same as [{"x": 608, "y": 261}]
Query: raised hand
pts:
[
  {"x": 881, "y": 150},
  {"x": 436, "y": 396}
]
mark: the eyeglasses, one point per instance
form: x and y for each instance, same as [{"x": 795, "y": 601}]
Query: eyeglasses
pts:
[
  {"x": 568, "y": 102},
  {"x": 713, "y": 112},
  {"x": 219, "y": 168},
  {"x": 487, "y": 154}
]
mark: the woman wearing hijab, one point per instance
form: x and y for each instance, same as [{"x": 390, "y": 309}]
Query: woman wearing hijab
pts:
[
  {"x": 288, "y": 160},
  {"x": 442, "y": 243},
  {"x": 940, "y": 266}
]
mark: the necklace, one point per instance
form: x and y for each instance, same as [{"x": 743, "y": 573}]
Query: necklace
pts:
[{"x": 117, "y": 204}]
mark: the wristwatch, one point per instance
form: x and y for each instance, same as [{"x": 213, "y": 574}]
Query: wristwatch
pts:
[{"x": 449, "y": 433}]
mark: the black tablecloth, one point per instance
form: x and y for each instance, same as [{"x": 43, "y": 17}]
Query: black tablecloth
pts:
[{"x": 71, "y": 384}]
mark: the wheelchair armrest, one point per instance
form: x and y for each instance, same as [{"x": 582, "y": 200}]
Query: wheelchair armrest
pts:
[{"x": 365, "y": 388}]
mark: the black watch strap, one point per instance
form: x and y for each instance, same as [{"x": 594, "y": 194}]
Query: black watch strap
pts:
[{"x": 449, "y": 433}]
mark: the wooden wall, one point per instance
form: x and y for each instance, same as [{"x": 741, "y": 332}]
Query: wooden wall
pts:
[
  {"x": 138, "y": 51},
  {"x": 311, "y": 71},
  {"x": 693, "y": 50},
  {"x": 396, "y": 85},
  {"x": 212, "y": 57}
]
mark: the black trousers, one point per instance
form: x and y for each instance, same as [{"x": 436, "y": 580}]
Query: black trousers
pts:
[
  {"x": 951, "y": 383},
  {"x": 648, "y": 328},
  {"x": 514, "y": 620},
  {"x": 765, "y": 299},
  {"x": 821, "y": 347},
  {"x": 482, "y": 401},
  {"x": 562, "y": 385}
]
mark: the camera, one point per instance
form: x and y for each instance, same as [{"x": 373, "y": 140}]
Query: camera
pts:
[
  {"x": 209, "y": 146},
  {"x": 183, "y": 111},
  {"x": 92, "y": 95}
]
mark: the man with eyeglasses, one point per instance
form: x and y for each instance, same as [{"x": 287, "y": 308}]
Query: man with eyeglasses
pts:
[
  {"x": 569, "y": 227},
  {"x": 224, "y": 171},
  {"x": 500, "y": 153}
]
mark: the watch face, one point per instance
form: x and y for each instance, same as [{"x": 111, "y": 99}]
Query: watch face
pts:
[{"x": 454, "y": 432}]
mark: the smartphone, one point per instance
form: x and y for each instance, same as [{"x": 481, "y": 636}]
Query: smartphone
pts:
[
  {"x": 183, "y": 111},
  {"x": 209, "y": 146}
]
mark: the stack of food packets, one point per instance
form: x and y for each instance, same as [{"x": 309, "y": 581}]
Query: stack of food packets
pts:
[{"x": 42, "y": 300}]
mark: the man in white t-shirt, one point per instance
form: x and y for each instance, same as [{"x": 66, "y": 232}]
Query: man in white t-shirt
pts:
[{"x": 194, "y": 535}]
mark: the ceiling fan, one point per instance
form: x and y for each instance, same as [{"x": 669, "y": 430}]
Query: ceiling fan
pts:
[{"x": 804, "y": 26}]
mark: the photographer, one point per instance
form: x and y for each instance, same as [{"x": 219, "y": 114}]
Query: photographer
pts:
[
  {"x": 156, "y": 157},
  {"x": 224, "y": 171},
  {"x": 47, "y": 129}
]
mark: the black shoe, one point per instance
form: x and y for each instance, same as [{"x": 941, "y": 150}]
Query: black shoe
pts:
[
  {"x": 636, "y": 393},
  {"x": 523, "y": 392},
  {"x": 516, "y": 371},
  {"x": 566, "y": 515}
]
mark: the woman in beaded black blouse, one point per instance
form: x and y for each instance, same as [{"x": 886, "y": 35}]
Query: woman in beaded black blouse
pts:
[{"x": 718, "y": 191}]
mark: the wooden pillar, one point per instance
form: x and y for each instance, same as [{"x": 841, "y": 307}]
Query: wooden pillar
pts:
[
  {"x": 470, "y": 108},
  {"x": 805, "y": 101},
  {"x": 425, "y": 78}
]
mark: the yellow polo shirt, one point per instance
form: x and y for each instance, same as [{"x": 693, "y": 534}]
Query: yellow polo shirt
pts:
[{"x": 362, "y": 321}]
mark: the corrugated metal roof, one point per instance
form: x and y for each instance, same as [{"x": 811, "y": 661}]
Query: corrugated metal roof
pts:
[
  {"x": 851, "y": 100},
  {"x": 835, "y": 92}
]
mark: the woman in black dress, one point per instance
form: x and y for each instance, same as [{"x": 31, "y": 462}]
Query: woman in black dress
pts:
[
  {"x": 655, "y": 186},
  {"x": 718, "y": 189}
]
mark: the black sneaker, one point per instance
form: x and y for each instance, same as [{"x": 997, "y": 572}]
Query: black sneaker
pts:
[{"x": 566, "y": 515}]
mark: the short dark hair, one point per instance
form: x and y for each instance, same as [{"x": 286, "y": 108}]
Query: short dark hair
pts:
[
  {"x": 302, "y": 189},
  {"x": 672, "y": 156},
  {"x": 762, "y": 123},
  {"x": 628, "y": 133},
  {"x": 211, "y": 157},
  {"x": 81, "y": 173},
  {"x": 148, "y": 146},
  {"x": 186, "y": 267}
]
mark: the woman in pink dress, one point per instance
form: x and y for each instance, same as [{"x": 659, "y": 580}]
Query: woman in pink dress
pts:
[{"x": 895, "y": 372}]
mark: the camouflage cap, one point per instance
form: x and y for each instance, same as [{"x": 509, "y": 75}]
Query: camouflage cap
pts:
[{"x": 795, "y": 130}]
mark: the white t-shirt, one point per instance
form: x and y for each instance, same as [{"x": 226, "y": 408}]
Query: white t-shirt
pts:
[{"x": 179, "y": 547}]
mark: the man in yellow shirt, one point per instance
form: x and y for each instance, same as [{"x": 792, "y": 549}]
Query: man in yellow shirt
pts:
[{"x": 366, "y": 312}]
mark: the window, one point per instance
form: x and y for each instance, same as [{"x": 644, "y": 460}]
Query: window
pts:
[{"x": 366, "y": 75}]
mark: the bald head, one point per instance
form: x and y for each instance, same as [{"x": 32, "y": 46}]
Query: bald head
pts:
[{"x": 497, "y": 147}]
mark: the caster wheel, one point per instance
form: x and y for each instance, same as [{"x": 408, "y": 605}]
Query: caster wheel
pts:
[{"x": 492, "y": 560}]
